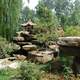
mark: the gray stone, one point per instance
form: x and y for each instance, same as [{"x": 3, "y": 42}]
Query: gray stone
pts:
[
  {"x": 29, "y": 47},
  {"x": 41, "y": 56},
  {"x": 69, "y": 41},
  {"x": 69, "y": 46},
  {"x": 18, "y": 39}
]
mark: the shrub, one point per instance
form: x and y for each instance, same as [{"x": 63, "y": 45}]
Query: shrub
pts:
[
  {"x": 29, "y": 71},
  {"x": 72, "y": 31},
  {"x": 6, "y": 47}
]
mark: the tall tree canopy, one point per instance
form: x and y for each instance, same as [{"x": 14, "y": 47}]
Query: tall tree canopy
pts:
[
  {"x": 63, "y": 10},
  {"x": 45, "y": 14},
  {"x": 76, "y": 13},
  {"x": 27, "y": 14}
]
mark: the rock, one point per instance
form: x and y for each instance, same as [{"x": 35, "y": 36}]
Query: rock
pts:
[
  {"x": 41, "y": 56},
  {"x": 14, "y": 65},
  {"x": 46, "y": 52},
  {"x": 12, "y": 58},
  {"x": 47, "y": 56},
  {"x": 5, "y": 63},
  {"x": 26, "y": 33},
  {"x": 18, "y": 34},
  {"x": 20, "y": 39},
  {"x": 69, "y": 41},
  {"x": 55, "y": 49},
  {"x": 22, "y": 32},
  {"x": 23, "y": 43},
  {"x": 69, "y": 46},
  {"x": 29, "y": 37},
  {"x": 29, "y": 47},
  {"x": 60, "y": 31},
  {"x": 20, "y": 57}
]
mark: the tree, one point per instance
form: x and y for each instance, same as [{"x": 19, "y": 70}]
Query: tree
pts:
[
  {"x": 49, "y": 3},
  {"x": 9, "y": 17},
  {"x": 74, "y": 18},
  {"x": 45, "y": 15},
  {"x": 47, "y": 22},
  {"x": 27, "y": 14},
  {"x": 76, "y": 13},
  {"x": 63, "y": 9}
]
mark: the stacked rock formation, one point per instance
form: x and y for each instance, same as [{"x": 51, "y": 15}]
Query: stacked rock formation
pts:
[
  {"x": 25, "y": 37},
  {"x": 26, "y": 40}
]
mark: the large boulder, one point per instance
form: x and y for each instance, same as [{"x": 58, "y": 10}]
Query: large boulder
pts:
[
  {"x": 69, "y": 46},
  {"x": 69, "y": 41}
]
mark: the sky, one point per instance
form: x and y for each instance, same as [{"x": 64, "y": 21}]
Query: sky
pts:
[{"x": 31, "y": 5}]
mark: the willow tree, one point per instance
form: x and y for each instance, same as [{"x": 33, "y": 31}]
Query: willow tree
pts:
[{"x": 9, "y": 17}]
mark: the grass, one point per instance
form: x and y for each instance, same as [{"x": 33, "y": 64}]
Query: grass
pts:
[
  {"x": 6, "y": 74},
  {"x": 10, "y": 74}
]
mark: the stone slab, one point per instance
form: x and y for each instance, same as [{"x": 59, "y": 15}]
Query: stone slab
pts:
[{"x": 69, "y": 41}]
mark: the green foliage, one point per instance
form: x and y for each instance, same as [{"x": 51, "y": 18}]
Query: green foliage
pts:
[
  {"x": 72, "y": 31},
  {"x": 63, "y": 9},
  {"x": 49, "y": 3},
  {"x": 46, "y": 21},
  {"x": 76, "y": 13},
  {"x": 67, "y": 71},
  {"x": 67, "y": 62},
  {"x": 29, "y": 71},
  {"x": 9, "y": 17},
  {"x": 27, "y": 14},
  {"x": 49, "y": 36},
  {"x": 6, "y": 48},
  {"x": 6, "y": 74},
  {"x": 45, "y": 15}
]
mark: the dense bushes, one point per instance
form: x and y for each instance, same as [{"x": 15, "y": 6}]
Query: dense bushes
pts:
[
  {"x": 10, "y": 11},
  {"x": 29, "y": 71},
  {"x": 72, "y": 31},
  {"x": 6, "y": 47}
]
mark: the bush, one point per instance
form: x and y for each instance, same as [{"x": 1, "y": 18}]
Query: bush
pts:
[
  {"x": 72, "y": 31},
  {"x": 6, "y": 48},
  {"x": 8, "y": 74},
  {"x": 29, "y": 71}
]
